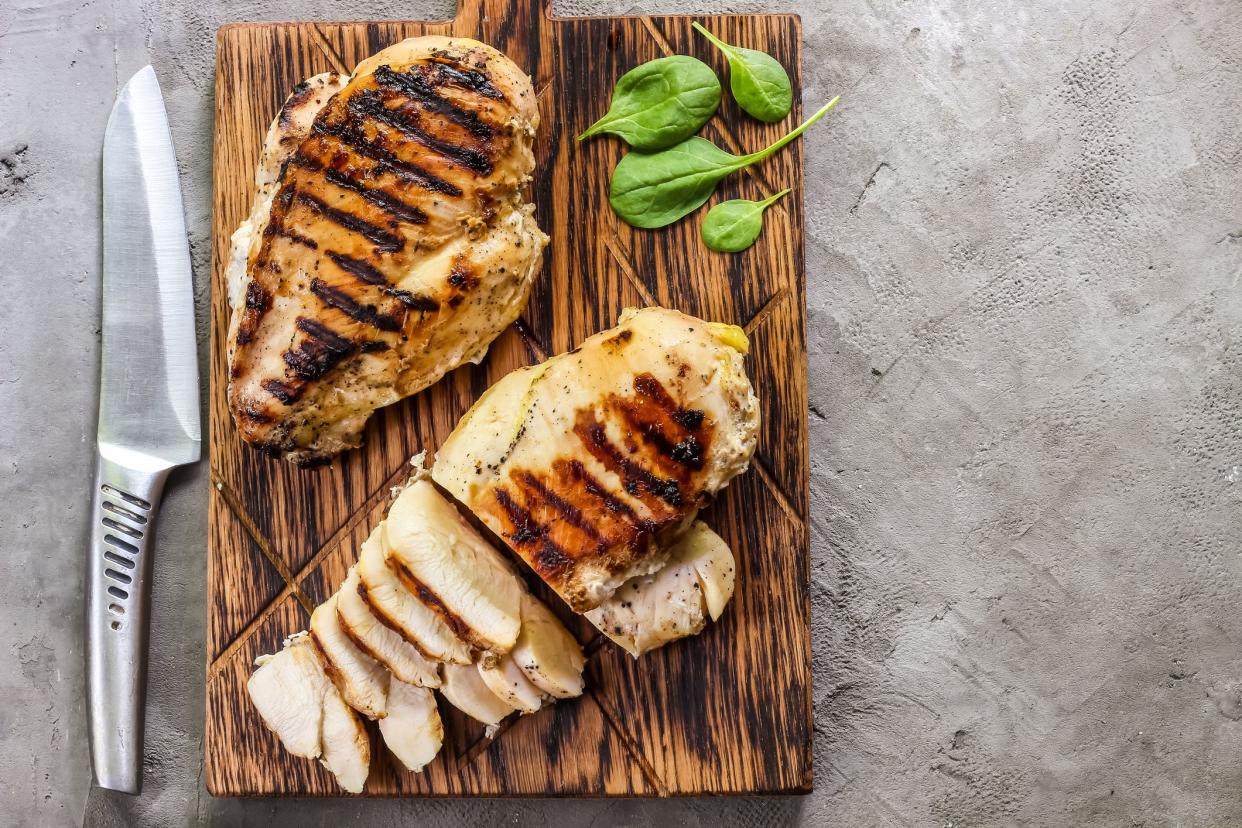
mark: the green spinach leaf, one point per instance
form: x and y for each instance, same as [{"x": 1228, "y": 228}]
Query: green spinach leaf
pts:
[
  {"x": 656, "y": 189},
  {"x": 733, "y": 226},
  {"x": 660, "y": 103},
  {"x": 759, "y": 83}
]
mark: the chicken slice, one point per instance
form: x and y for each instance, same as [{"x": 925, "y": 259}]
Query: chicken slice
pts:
[
  {"x": 384, "y": 645},
  {"x": 464, "y": 688},
  {"x": 509, "y": 683},
  {"x": 547, "y": 653},
  {"x": 396, "y": 607},
  {"x": 362, "y": 680},
  {"x": 300, "y": 704},
  {"x": 412, "y": 729},
  {"x": 288, "y": 690},
  {"x": 651, "y": 610},
  {"x": 591, "y": 463},
  {"x": 346, "y": 748},
  {"x": 389, "y": 241},
  {"x": 444, "y": 562}
]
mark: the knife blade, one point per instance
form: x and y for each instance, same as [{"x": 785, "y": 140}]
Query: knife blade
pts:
[{"x": 148, "y": 414}]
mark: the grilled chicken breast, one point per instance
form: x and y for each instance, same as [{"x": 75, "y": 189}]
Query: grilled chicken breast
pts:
[
  {"x": 388, "y": 244},
  {"x": 591, "y": 463},
  {"x": 298, "y": 702},
  {"x": 675, "y": 601}
]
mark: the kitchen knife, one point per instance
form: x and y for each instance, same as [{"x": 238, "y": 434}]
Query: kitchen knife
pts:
[{"x": 148, "y": 414}]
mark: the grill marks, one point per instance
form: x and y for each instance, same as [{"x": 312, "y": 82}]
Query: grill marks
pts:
[
  {"x": 418, "y": 87},
  {"x": 355, "y": 310},
  {"x": 405, "y": 119},
  {"x": 350, "y": 137},
  {"x": 550, "y": 560},
  {"x": 380, "y": 198},
  {"x": 258, "y": 302},
  {"x": 367, "y": 273},
  {"x": 433, "y": 602},
  {"x": 318, "y": 352},
  {"x": 384, "y": 240},
  {"x": 448, "y": 71},
  {"x": 567, "y": 515}
]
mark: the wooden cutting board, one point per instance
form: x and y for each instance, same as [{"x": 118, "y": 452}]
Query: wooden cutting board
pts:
[{"x": 726, "y": 712}]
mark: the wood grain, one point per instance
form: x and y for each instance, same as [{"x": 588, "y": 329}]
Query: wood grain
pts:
[{"x": 726, "y": 712}]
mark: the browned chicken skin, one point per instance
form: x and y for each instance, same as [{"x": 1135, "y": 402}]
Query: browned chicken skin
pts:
[{"x": 389, "y": 242}]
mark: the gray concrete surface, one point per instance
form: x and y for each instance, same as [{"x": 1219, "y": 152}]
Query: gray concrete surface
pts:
[{"x": 1025, "y": 241}]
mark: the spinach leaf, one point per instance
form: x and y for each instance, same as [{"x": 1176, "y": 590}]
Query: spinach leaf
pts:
[
  {"x": 733, "y": 226},
  {"x": 759, "y": 83},
  {"x": 655, "y": 189},
  {"x": 660, "y": 102}
]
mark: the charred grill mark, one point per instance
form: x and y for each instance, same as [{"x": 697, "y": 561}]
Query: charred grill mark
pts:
[
  {"x": 383, "y": 618},
  {"x": 414, "y": 301},
  {"x": 689, "y": 418},
  {"x": 374, "y": 347},
  {"x": 287, "y": 394},
  {"x": 536, "y": 490},
  {"x": 417, "y": 87},
  {"x": 389, "y": 203},
  {"x": 648, "y": 413},
  {"x": 610, "y": 501},
  {"x": 319, "y": 352},
  {"x": 433, "y": 602},
  {"x": 549, "y": 560},
  {"x": 275, "y": 228},
  {"x": 525, "y": 529},
  {"x": 369, "y": 104},
  {"x": 359, "y": 269},
  {"x": 448, "y": 73},
  {"x": 355, "y": 310},
  {"x": 368, "y": 273},
  {"x": 383, "y": 239},
  {"x": 249, "y": 411},
  {"x": 635, "y": 478},
  {"x": 258, "y": 302},
  {"x": 351, "y": 138}
]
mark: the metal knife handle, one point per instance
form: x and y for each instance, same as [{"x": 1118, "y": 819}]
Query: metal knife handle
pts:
[{"x": 118, "y": 595}]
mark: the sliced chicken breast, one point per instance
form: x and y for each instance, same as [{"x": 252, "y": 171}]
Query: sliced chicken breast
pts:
[
  {"x": 547, "y": 653},
  {"x": 362, "y": 680},
  {"x": 346, "y": 748},
  {"x": 389, "y": 241},
  {"x": 400, "y": 610},
  {"x": 464, "y": 688},
  {"x": 288, "y": 690},
  {"x": 651, "y": 610},
  {"x": 412, "y": 730},
  {"x": 589, "y": 464},
  {"x": 448, "y": 565},
  {"x": 300, "y": 704},
  {"x": 385, "y": 645},
  {"x": 509, "y": 683}
]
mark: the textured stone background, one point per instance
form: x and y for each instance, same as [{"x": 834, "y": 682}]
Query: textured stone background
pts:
[{"x": 1026, "y": 415}]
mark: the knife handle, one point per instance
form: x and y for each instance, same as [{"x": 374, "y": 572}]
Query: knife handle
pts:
[{"x": 118, "y": 597}]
